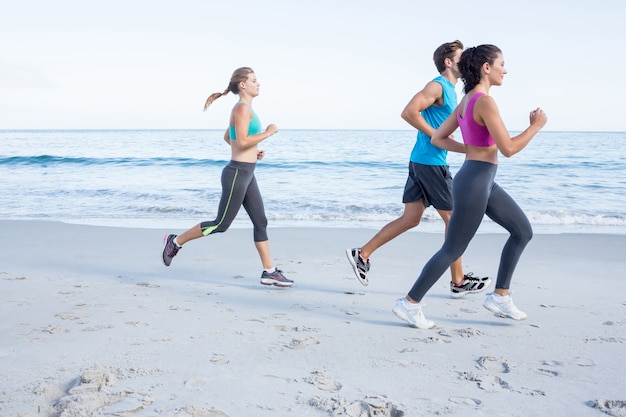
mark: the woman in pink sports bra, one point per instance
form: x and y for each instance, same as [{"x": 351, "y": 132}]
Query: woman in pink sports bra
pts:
[{"x": 474, "y": 191}]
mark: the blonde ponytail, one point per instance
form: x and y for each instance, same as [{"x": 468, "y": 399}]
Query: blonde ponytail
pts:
[
  {"x": 214, "y": 97},
  {"x": 240, "y": 75}
]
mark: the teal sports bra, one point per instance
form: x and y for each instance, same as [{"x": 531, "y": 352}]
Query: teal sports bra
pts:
[{"x": 254, "y": 128}]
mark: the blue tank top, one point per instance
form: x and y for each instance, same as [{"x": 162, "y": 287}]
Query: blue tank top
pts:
[
  {"x": 254, "y": 128},
  {"x": 423, "y": 152}
]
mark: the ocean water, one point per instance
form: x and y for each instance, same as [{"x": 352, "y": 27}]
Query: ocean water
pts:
[{"x": 564, "y": 181}]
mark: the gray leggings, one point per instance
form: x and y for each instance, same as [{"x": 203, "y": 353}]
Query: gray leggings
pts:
[
  {"x": 239, "y": 188},
  {"x": 475, "y": 194}
]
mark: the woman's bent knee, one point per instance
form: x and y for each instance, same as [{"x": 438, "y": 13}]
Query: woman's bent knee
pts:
[{"x": 525, "y": 234}]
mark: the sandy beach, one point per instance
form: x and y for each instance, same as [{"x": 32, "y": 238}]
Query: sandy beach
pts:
[{"x": 93, "y": 324}]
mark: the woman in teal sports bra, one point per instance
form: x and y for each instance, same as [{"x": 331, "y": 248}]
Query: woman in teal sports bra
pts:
[
  {"x": 239, "y": 186},
  {"x": 474, "y": 190}
]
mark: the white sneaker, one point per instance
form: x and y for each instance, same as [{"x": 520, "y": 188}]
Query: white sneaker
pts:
[
  {"x": 412, "y": 314},
  {"x": 503, "y": 306}
]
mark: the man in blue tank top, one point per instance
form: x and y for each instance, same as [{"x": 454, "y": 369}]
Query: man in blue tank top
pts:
[{"x": 429, "y": 181}]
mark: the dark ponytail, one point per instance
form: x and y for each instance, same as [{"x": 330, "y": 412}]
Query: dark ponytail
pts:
[{"x": 471, "y": 63}]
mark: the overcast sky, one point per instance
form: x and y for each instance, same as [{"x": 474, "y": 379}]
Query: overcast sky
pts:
[{"x": 324, "y": 64}]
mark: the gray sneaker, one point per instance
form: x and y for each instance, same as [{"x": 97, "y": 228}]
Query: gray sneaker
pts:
[
  {"x": 170, "y": 249},
  {"x": 470, "y": 285},
  {"x": 276, "y": 278},
  {"x": 359, "y": 266}
]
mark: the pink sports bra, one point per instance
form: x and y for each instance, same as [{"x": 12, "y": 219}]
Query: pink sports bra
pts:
[{"x": 473, "y": 133}]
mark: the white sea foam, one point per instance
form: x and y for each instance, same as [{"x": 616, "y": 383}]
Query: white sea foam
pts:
[{"x": 564, "y": 181}]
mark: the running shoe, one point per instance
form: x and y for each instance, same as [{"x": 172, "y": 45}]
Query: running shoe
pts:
[
  {"x": 503, "y": 306},
  {"x": 170, "y": 249},
  {"x": 275, "y": 278},
  {"x": 470, "y": 285},
  {"x": 412, "y": 314},
  {"x": 359, "y": 266}
]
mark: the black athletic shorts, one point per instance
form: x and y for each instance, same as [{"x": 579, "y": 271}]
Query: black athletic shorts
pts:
[{"x": 433, "y": 183}]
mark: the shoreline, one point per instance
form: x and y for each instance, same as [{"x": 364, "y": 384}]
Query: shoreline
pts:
[
  {"x": 426, "y": 226},
  {"x": 92, "y": 322}
]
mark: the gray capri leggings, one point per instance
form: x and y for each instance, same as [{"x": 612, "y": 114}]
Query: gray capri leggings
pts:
[
  {"x": 239, "y": 188},
  {"x": 475, "y": 194}
]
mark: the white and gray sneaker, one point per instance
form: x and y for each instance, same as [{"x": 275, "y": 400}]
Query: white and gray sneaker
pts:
[
  {"x": 276, "y": 278},
  {"x": 470, "y": 285},
  {"x": 503, "y": 306},
  {"x": 412, "y": 314},
  {"x": 359, "y": 266},
  {"x": 170, "y": 249}
]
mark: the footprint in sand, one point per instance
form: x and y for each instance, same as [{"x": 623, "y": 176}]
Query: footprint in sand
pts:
[
  {"x": 613, "y": 408},
  {"x": 298, "y": 329},
  {"x": 131, "y": 404},
  {"x": 55, "y": 330},
  {"x": 431, "y": 339},
  {"x": 493, "y": 383},
  {"x": 137, "y": 323},
  {"x": 492, "y": 364},
  {"x": 219, "y": 359},
  {"x": 377, "y": 405},
  {"x": 94, "y": 394},
  {"x": 147, "y": 285},
  {"x": 469, "y": 332},
  {"x": 583, "y": 361},
  {"x": 370, "y": 406},
  {"x": 532, "y": 392},
  {"x": 349, "y": 312},
  {"x": 412, "y": 348},
  {"x": 547, "y": 372},
  {"x": 489, "y": 383},
  {"x": 552, "y": 363},
  {"x": 428, "y": 340},
  {"x": 323, "y": 381},
  {"x": 66, "y": 316},
  {"x": 97, "y": 327},
  {"x": 14, "y": 278},
  {"x": 302, "y": 343},
  {"x": 195, "y": 411},
  {"x": 305, "y": 329},
  {"x": 194, "y": 383},
  {"x": 466, "y": 401}
]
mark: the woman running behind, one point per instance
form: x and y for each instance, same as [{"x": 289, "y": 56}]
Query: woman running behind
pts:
[{"x": 239, "y": 186}]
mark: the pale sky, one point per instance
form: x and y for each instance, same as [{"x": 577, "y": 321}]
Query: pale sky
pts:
[{"x": 323, "y": 64}]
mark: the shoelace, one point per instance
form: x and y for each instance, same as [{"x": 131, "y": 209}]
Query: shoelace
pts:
[{"x": 172, "y": 249}]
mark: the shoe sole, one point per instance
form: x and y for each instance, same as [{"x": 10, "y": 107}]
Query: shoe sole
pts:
[
  {"x": 457, "y": 295},
  {"x": 499, "y": 313},
  {"x": 402, "y": 316},
  {"x": 363, "y": 281},
  {"x": 276, "y": 283}
]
